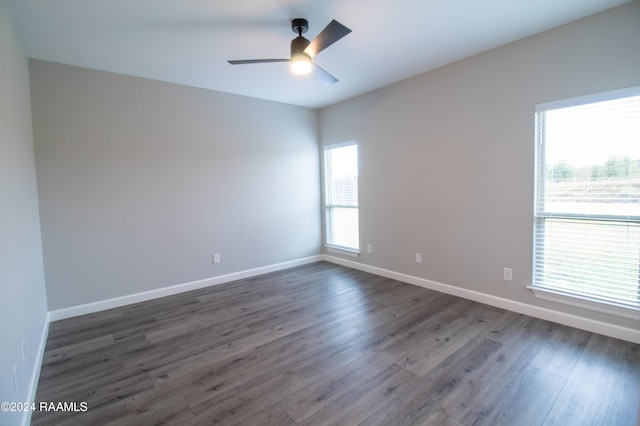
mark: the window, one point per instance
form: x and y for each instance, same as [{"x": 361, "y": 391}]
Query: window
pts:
[
  {"x": 587, "y": 202},
  {"x": 341, "y": 196}
]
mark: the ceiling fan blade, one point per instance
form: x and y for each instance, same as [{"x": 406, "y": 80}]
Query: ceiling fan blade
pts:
[
  {"x": 329, "y": 35},
  {"x": 256, "y": 61},
  {"x": 323, "y": 76}
]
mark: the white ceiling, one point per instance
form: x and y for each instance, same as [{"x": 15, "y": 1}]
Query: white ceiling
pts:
[{"x": 189, "y": 41}]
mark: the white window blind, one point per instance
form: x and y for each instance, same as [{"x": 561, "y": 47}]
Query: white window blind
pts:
[
  {"x": 587, "y": 206},
  {"x": 341, "y": 196}
]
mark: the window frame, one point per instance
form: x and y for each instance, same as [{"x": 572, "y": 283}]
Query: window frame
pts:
[
  {"x": 327, "y": 205},
  {"x": 541, "y": 216}
]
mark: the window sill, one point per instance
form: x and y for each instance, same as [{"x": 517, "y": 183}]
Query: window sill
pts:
[
  {"x": 342, "y": 250},
  {"x": 603, "y": 306}
]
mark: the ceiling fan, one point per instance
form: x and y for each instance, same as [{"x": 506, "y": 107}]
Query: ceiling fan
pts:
[{"x": 303, "y": 51}]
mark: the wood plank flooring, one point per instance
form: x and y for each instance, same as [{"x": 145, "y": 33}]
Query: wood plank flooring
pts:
[{"x": 326, "y": 345}]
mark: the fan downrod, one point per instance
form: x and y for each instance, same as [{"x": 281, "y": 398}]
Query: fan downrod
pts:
[{"x": 299, "y": 26}]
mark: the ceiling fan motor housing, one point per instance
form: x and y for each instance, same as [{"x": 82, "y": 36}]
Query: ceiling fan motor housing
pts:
[{"x": 298, "y": 45}]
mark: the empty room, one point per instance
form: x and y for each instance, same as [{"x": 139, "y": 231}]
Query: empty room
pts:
[{"x": 320, "y": 212}]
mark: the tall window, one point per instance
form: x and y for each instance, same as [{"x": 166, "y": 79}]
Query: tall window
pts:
[
  {"x": 341, "y": 196},
  {"x": 587, "y": 205}
]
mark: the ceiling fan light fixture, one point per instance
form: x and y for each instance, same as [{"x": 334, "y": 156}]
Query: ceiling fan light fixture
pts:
[{"x": 301, "y": 63}]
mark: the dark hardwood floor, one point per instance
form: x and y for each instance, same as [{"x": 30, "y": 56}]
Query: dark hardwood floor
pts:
[{"x": 322, "y": 344}]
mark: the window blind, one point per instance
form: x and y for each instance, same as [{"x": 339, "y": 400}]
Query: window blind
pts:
[
  {"x": 341, "y": 196},
  {"x": 587, "y": 206}
]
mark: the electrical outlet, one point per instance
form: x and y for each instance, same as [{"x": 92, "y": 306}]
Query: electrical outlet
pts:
[
  {"x": 24, "y": 355},
  {"x": 216, "y": 258},
  {"x": 369, "y": 248},
  {"x": 418, "y": 257},
  {"x": 507, "y": 274}
]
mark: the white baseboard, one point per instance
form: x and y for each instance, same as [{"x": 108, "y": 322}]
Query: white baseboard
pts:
[
  {"x": 116, "y": 302},
  {"x": 35, "y": 374},
  {"x": 607, "y": 329}
]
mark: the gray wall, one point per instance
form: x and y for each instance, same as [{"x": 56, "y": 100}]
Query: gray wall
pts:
[
  {"x": 447, "y": 157},
  {"x": 141, "y": 181},
  {"x": 23, "y": 308}
]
